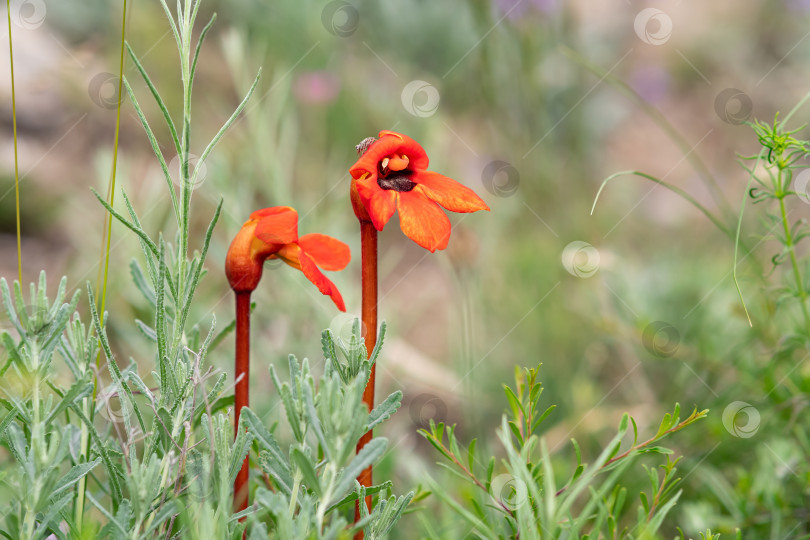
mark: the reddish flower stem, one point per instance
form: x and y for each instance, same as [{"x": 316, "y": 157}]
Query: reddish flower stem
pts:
[
  {"x": 242, "y": 368},
  {"x": 368, "y": 244}
]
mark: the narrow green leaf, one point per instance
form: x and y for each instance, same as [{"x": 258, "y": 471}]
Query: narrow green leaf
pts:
[
  {"x": 375, "y": 353},
  {"x": 140, "y": 232},
  {"x": 384, "y": 410},
  {"x": 370, "y": 453},
  {"x": 263, "y": 436},
  {"x": 225, "y": 332},
  {"x": 542, "y": 417},
  {"x": 166, "y": 10},
  {"x": 73, "y": 476},
  {"x": 113, "y": 472},
  {"x": 199, "y": 46},
  {"x": 471, "y": 454},
  {"x": 158, "y": 99},
  {"x": 353, "y": 496},
  {"x": 140, "y": 282},
  {"x": 198, "y": 269},
  {"x": 77, "y": 391},
  {"x": 514, "y": 403},
  {"x": 303, "y": 463},
  {"x": 7, "y": 420},
  {"x": 113, "y": 366},
  {"x": 147, "y": 331},
  {"x": 665, "y": 424},
  {"x": 155, "y": 145}
]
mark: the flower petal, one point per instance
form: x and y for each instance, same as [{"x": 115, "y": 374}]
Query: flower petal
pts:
[
  {"x": 379, "y": 203},
  {"x": 409, "y": 147},
  {"x": 388, "y": 144},
  {"x": 322, "y": 282},
  {"x": 379, "y": 149},
  {"x": 276, "y": 225},
  {"x": 453, "y": 195},
  {"x": 422, "y": 220},
  {"x": 293, "y": 255},
  {"x": 327, "y": 252}
]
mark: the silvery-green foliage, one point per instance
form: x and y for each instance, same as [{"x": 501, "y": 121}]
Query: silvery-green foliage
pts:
[
  {"x": 165, "y": 468},
  {"x": 314, "y": 475},
  {"x": 148, "y": 452},
  {"x": 33, "y": 427}
]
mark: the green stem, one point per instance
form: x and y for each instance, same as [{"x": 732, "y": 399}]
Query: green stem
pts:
[
  {"x": 296, "y": 486},
  {"x": 38, "y": 453},
  {"x": 797, "y": 275},
  {"x": 16, "y": 160},
  {"x": 795, "y": 108},
  {"x": 186, "y": 21}
]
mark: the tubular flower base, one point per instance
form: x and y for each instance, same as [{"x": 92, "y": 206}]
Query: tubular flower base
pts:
[
  {"x": 392, "y": 175},
  {"x": 272, "y": 233}
]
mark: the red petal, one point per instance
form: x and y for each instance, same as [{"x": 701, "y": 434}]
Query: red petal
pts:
[
  {"x": 381, "y": 208},
  {"x": 410, "y": 148},
  {"x": 293, "y": 255},
  {"x": 276, "y": 225},
  {"x": 388, "y": 144},
  {"x": 322, "y": 282},
  {"x": 327, "y": 252},
  {"x": 447, "y": 192},
  {"x": 423, "y": 221},
  {"x": 379, "y": 203}
]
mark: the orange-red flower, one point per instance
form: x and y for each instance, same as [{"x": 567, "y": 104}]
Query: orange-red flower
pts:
[
  {"x": 272, "y": 233},
  {"x": 392, "y": 175}
]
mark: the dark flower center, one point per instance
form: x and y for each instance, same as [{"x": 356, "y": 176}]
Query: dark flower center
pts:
[{"x": 397, "y": 181}]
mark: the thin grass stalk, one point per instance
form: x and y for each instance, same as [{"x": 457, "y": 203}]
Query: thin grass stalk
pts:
[
  {"x": 16, "y": 160},
  {"x": 101, "y": 280},
  {"x": 655, "y": 115}
]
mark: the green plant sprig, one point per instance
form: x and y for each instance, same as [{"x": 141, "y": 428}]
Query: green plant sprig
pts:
[
  {"x": 541, "y": 504},
  {"x": 779, "y": 157}
]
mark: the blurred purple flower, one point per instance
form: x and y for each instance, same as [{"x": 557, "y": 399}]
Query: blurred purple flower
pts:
[
  {"x": 316, "y": 87},
  {"x": 801, "y": 6},
  {"x": 651, "y": 82},
  {"x": 516, "y": 9}
]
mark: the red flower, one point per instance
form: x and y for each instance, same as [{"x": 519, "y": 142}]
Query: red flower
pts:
[
  {"x": 272, "y": 233},
  {"x": 392, "y": 175}
]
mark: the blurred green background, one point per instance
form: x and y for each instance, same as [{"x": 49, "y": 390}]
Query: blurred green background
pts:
[{"x": 530, "y": 103}]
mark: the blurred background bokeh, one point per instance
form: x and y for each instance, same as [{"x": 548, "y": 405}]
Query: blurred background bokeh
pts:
[{"x": 531, "y": 103}]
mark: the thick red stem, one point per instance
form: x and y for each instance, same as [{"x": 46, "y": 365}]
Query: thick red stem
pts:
[
  {"x": 368, "y": 244},
  {"x": 242, "y": 368}
]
